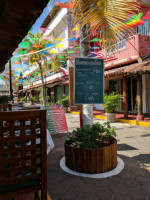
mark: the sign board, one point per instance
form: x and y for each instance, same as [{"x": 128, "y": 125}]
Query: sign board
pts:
[
  {"x": 56, "y": 119},
  {"x": 89, "y": 81}
]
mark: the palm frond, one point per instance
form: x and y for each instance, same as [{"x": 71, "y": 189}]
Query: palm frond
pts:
[{"x": 107, "y": 17}]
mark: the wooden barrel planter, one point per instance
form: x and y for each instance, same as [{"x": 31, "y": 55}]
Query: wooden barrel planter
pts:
[{"x": 91, "y": 161}]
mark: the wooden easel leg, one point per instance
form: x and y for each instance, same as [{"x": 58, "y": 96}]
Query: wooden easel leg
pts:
[
  {"x": 36, "y": 196},
  {"x": 81, "y": 116}
]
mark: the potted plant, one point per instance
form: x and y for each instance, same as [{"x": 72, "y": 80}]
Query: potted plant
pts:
[
  {"x": 64, "y": 101},
  {"x": 32, "y": 99},
  {"x": 23, "y": 99},
  {"x": 111, "y": 103},
  {"x": 91, "y": 149},
  {"x": 4, "y": 99}
]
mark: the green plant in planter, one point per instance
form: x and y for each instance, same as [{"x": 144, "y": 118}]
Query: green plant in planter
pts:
[
  {"x": 23, "y": 99},
  {"x": 4, "y": 99},
  {"x": 112, "y": 102},
  {"x": 32, "y": 99},
  {"x": 63, "y": 101},
  {"x": 93, "y": 137}
]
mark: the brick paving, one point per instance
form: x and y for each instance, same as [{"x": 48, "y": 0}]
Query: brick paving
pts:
[{"x": 133, "y": 183}]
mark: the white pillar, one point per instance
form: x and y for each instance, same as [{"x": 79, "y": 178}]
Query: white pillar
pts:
[{"x": 87, "y": 114}]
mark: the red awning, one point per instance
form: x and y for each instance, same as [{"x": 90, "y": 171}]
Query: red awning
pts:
[{"x": 136, "y": 68}]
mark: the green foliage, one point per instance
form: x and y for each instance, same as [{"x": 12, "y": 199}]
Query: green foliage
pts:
[
  {"x": 112, "y": 102},
  {"x": 23, "y": 99},
  {"x": 32, "y": 99},
  {"x": 63, "y": 101},
  {"x": 93, "y": 137},
  {"x": 49, "y": 100},
  {"x": 4, "y": 99}
]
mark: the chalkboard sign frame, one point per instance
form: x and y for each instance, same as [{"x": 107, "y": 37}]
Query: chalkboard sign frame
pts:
[{"x": 101, "y": 92}]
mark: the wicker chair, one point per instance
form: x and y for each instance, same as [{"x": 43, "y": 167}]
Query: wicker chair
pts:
[
  {"x": 23, "y": 158},
  {"x": 5, "y": 107}
]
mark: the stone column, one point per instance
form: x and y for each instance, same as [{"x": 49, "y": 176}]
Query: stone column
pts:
[{"x": 125, "y": 97}]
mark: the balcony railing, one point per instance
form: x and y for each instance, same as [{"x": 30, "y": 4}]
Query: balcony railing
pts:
[{"x": 128, "y": 51}]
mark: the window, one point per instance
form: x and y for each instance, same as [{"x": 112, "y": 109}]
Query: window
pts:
[{"x": 144, "y": 29}]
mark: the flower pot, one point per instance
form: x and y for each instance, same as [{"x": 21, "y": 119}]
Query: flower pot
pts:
[
  {"x": 91, "y": 161},
  {"x": 111, "y": 117},
  {"x": 66, "y": 109}
]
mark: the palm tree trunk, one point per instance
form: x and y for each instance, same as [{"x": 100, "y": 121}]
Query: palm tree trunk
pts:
[
  {"x": 85, "y": 52},
  {"x": 43, "y": 94}
]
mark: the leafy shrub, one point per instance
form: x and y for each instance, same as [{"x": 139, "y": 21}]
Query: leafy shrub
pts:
[
  {"x": 93, "y": 137},
  {"x": 4, "y": 99},
  {"x": 63, "y": 101},
  {"x": 32, "y": 99},
  {"x": 111, "y": 102},
  {"x": 23, "y": 99}
]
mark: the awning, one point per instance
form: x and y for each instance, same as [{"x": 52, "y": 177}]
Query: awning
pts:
[
  {"x": 16, "y": 18},
  {"x": 136, "y": 68},
  {"x": 50, "y": 83}
]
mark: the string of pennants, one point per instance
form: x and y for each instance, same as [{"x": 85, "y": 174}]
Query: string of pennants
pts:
[{"x": 132, "y": 20}]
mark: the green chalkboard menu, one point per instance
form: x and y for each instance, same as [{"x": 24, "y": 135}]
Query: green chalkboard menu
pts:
[{"x": 89, "y": 81}]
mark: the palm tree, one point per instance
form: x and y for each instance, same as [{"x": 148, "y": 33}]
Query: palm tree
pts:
[
  {"x": 106, "y": 17},
  {"x": 36, "y": 43}
]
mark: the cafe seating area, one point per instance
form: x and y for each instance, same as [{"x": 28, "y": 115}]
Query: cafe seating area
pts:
[{"x": 23, "y": 153}]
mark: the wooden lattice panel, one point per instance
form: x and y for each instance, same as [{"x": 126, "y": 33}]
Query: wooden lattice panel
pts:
[
  {"x": 22, "y": 146},
  {"x": 5, "y": 107}
]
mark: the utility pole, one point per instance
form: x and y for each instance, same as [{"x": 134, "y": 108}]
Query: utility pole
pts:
[{"x": 10, "y": 81}]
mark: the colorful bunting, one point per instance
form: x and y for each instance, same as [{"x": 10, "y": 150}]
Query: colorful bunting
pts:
[
  {"x": 95, "y": 40},
  {"x": 53, "y": 51},
  {"x": 31, "y": 29},
  {"x": 59, "y": 39},
  {"x": 43, "y": 52},
  {"x": 62, "y": 5},
  {"x": 76, "y": 28},
  {"x": 36, "y": 45},
  {"x": 22, "y": 52},
  {"x": 33, "y": 39},
  {"x": 17, "y": 63},
  {"x": 59, "y": 46},
  {"x": 49, "y": 45},
  {"x": 14, "y": 59},
  {"x": 73, "y": 39},
  {"x": 24, "y": 45},
  {"x": 95, "y": 48},
  {"x": 62, "y": 52},
  {"x": 147, "y": 17},
  {"x": 61, "y": 57}
]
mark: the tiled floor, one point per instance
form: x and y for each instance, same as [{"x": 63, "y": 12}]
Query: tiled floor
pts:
[{"x": 132, "y": 183}]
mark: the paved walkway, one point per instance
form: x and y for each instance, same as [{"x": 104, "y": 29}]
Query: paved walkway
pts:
[
  {"x": 120, "y": 118},
  {"x": 133, "y": 183}
]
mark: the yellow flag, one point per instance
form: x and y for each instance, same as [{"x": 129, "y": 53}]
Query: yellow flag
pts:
[{"x": 59, "y": 46}]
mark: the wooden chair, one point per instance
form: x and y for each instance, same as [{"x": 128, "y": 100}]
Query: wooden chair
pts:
[
  {"x": 23, "y": 158},
  {"x": 5, "y": 107}
]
